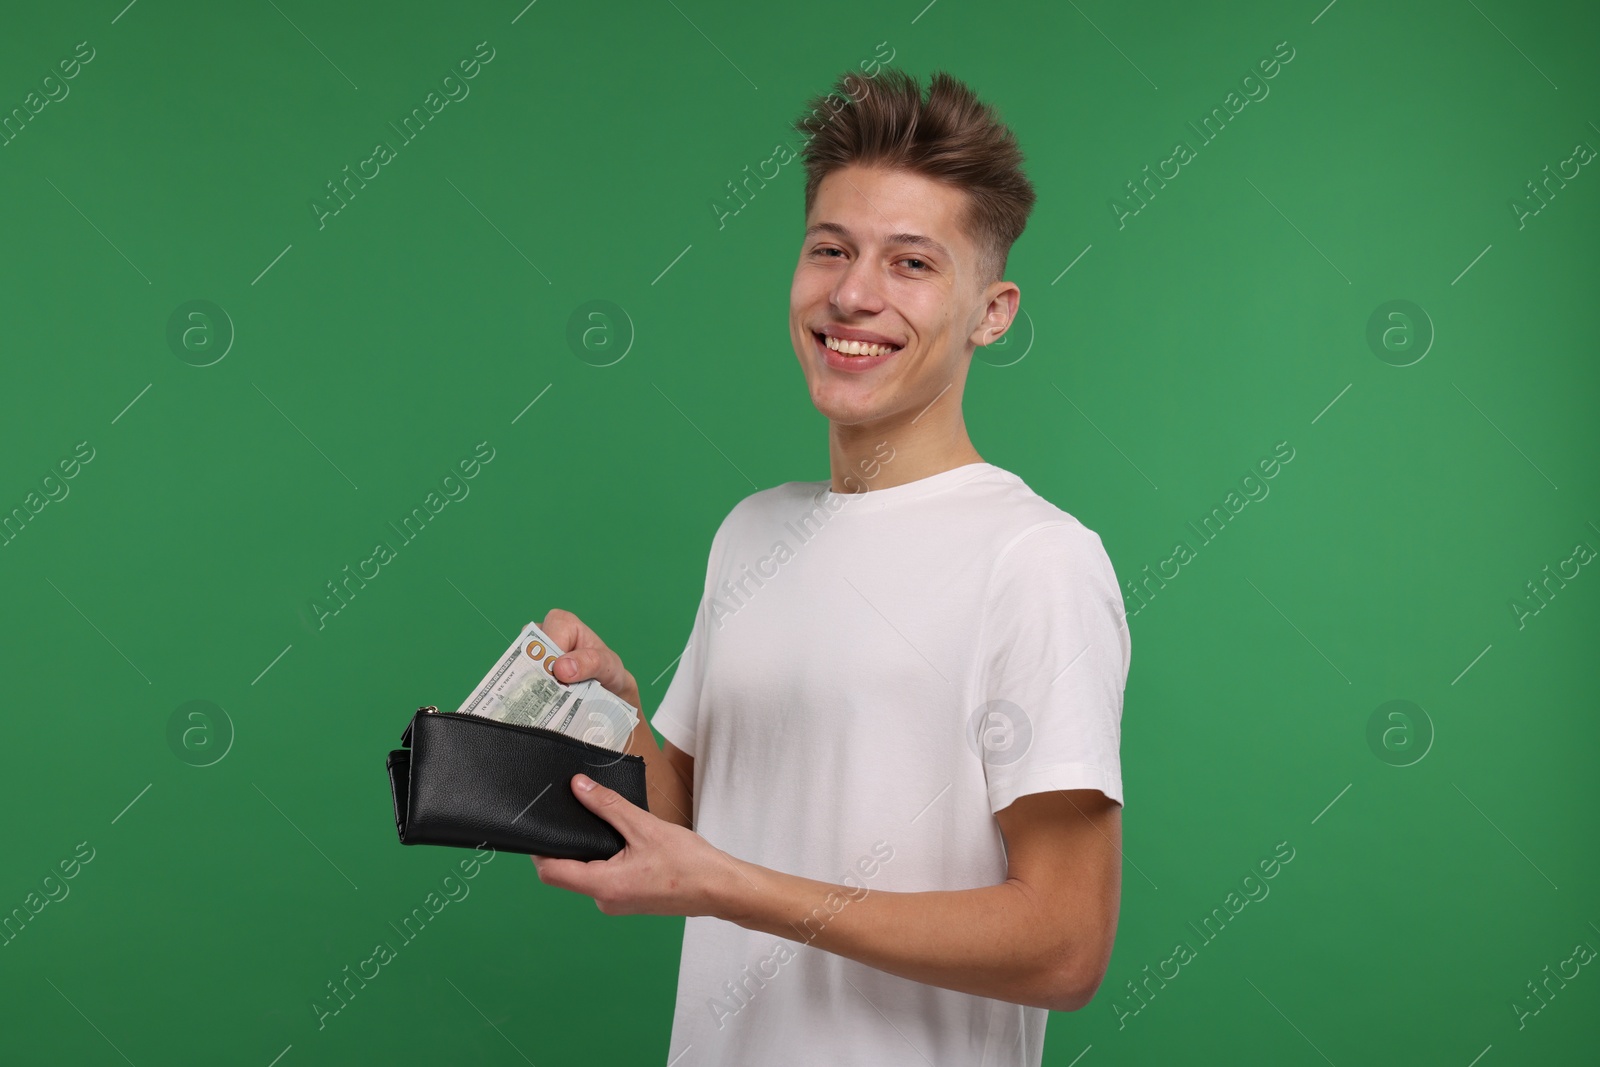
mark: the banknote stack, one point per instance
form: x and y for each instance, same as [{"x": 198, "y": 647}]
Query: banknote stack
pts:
[{"x": 521, "y": 690}]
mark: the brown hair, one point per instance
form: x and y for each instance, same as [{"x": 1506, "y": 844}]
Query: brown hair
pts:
[{"x": 950, "y": 136}]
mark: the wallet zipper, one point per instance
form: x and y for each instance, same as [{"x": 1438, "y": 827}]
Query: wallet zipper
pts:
[{"x": 432, "y": 710}]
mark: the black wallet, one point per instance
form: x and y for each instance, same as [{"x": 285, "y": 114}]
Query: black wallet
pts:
[{"x": 467, "y": 781}]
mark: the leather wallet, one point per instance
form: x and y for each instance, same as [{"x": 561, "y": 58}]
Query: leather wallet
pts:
[{"x": 467, "y": 781}]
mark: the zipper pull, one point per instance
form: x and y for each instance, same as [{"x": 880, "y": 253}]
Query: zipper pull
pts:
[{"x": 405, "y": 735}]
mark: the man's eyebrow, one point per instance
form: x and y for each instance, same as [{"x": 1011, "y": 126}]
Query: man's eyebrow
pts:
[{"x": 915, "y": 240}]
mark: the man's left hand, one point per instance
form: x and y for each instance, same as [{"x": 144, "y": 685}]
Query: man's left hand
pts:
[{"x": 663, "y": 868}]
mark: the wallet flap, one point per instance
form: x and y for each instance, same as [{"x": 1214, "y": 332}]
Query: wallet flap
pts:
[{"x": 399, "y": 765}]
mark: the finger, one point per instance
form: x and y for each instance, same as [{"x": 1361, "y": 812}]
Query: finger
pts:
[
  {"x": 601, "y": 664},
  {"x": 563, "y": 874},
  {"x": 587, "y": 657},
  {"x": 616, "y": 809},
  {"x": 571, "y": 666},
  {"x": 564, "y": 628},
  {"x": 581, "y": 634}
]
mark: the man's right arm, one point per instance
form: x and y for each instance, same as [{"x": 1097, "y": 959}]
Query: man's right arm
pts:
[
  {"x": 670, "y": 783},
  {"x": 668, "y": 775}
]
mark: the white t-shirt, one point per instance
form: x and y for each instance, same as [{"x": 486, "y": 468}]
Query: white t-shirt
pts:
[{"x": 852, "y": 657}]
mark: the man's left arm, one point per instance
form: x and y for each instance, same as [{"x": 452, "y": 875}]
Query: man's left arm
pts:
[{"x": 1042, "y": 937}]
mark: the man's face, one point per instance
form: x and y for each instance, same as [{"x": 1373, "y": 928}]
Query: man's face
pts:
[{"x": 885, "y": 260}]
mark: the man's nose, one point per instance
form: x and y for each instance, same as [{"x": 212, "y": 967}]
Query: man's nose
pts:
[{"x": 859, "y": 289}]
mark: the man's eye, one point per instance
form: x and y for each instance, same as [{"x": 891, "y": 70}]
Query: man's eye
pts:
[
  {"x": 920, "y": 264},
  {"x": 824, "y": 251}
]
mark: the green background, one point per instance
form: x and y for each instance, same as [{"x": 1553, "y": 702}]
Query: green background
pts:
[{"x": 371, "y": 354}]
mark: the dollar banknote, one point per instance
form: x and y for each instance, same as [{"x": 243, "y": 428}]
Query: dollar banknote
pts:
[{"x": 520, "y": 689}]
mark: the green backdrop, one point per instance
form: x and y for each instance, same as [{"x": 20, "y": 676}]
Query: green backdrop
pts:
[{"x": 222, "y": 383}]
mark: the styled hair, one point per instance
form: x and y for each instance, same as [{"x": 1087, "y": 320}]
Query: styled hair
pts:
[{"x": 949, "y": 136}]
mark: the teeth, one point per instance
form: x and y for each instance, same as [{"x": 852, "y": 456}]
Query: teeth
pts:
[{"x": 857, "y": 348}]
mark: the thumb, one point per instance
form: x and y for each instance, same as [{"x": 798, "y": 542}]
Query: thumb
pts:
[{"x": 607, "y": 803}]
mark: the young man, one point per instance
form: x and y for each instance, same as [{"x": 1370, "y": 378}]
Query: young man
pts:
[{"x": 889, "y": 799}]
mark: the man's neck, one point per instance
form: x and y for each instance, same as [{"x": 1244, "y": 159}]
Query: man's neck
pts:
[{"x": 863, "y": 457}]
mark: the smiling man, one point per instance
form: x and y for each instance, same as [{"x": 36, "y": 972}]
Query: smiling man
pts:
[{"x": 889, "y": 799}]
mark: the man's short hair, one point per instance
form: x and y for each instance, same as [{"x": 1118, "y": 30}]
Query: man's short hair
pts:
[{"x": 948, "y": 135}]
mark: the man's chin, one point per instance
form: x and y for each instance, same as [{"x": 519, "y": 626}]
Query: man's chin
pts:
[{"x": 847, "y": 407}]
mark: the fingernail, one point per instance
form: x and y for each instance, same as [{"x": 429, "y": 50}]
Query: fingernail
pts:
[
  {"x": 583, "y": 782},
  {"x": 569, "y": 668}
]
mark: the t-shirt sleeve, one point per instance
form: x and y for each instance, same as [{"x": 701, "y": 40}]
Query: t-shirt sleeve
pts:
[
  {"x": 677, "y": 716},
  {"x": 1053, "y": 655}
]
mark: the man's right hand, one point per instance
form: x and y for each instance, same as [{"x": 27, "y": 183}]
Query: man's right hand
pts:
[
  {"x": 587, "y": 656},
  {"x": 669, "y": 772}
]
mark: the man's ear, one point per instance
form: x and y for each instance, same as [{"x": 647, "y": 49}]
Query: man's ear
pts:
[{"x": 1000, "y": 302}]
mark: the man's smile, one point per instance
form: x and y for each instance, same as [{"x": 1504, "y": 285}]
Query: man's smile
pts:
[{"x": 846, "y": 349}]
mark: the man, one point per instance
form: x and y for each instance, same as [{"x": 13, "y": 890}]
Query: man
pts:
[{"x": 889, "y": 798}]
